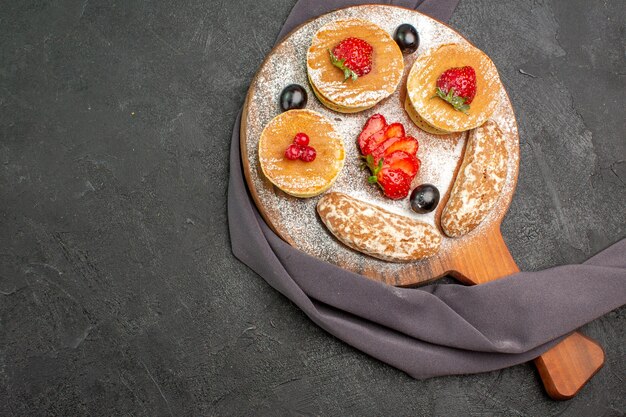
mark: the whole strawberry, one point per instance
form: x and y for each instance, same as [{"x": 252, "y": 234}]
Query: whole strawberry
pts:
[
  {"x": 353, "y": 56},
  {"x": 395, "y": 182},
  {"x": 457, "y": 86}
]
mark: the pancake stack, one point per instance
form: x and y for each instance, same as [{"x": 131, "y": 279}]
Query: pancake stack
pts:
[
  {"x": 433, "y": 114},
  {"x": 351, "y": 96},
  {"x": 298, "y": 178}
]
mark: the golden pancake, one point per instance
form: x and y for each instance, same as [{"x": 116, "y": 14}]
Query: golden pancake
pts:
[
  {"x": 410, "y": 110},
  {"x": 334, "y": 106},
  {"x": 349, "y": 96},
  {"x": 296, "y": 177},
  {"x": 437, "y": 113}
]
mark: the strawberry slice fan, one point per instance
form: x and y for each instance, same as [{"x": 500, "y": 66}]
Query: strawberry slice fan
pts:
[
  {"x": 390, "y": 155},
  {"x": 433, "y": 330}
]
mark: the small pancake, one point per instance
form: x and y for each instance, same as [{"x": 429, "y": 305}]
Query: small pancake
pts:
[
  {"x": 421, "y": 123},
  {"x": 299, "y": 178},
  {"x": 421, "y": 87},
  {"x": 351, "y": 96},
  {"x": 333, "y": 106}
]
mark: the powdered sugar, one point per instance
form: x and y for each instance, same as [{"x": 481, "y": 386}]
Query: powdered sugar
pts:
[
  {"x": 428, "y": 67},
  {"x": 440, "y": 155},
  {"x": 387, "y": 66}
]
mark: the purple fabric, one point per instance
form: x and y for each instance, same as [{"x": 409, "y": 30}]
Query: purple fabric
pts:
[{"x": 437, "y": 329}]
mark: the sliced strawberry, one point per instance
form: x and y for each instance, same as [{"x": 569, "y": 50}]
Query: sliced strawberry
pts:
[
  {"x": 372, "y": 142},
  {"x": 402, "y": 160},
  {"x": 374, "y": 124},
  {"x": 394, "y": 130},
  {"x": 379, "y": 152},
  {"x": 408, "y": 144},
  {"x": 391, "y": 131},
  {"x": 390, "y": 156}
]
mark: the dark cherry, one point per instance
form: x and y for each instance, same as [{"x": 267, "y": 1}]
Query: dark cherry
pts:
[
  {"x": 407, "y": 38},
  {"x": 424, "y": 198},
  {"x": 293, "y": 97}
]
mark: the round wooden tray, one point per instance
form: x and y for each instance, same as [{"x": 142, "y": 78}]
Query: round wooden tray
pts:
[{"x": 477, "y": 257}]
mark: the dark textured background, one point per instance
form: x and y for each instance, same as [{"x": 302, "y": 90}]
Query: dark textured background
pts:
[{"x": 119, "y": 292}]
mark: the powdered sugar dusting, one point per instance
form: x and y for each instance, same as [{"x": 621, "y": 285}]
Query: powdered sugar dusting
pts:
[
  {"x": 421, "y": 86},
  {"x": 439, "y": 155},
  {"x": 387, "y": 66},
  {"x": 479, "y": 181},
  {"x": 302, "y": 179},
  {"x": 376, "y": 231}
]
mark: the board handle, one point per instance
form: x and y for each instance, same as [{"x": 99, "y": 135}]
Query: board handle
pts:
[{"x": 565, "y": 368}]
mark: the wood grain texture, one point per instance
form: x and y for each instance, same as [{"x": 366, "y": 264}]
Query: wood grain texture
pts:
[
  {"x": 584, "y": 358},
  {"x": 565, "y": 368}
]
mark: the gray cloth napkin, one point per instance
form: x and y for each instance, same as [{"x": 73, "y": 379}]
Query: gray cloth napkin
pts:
[{"x": 436, "y": 329}]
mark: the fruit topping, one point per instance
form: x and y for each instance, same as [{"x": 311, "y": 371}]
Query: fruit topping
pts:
[
  {"x": 353, "y": 56},
  {"x": 410, "y": 164},
  {"x": 301, "y": 139},
  {"x": 300, "y": 149},
  {"x": 379, "y": 151},
  {"x": 457, "y": 86},
  {"x": 395, "y": 182},
  {"x": 394, "y": 130},
  {"x": 424, "y": 198},
  {"x": 373, "y": 141},
  {"x": 407, "y": 38},
  {"x": 390, "y": 156},
  {"x": 374, "y": 124},
  {"x": 308, "y": 154},
  {"x": 292, "y": 97},
  {"x": 293, "y": 152},
  {"x": 407, "y": 144}
]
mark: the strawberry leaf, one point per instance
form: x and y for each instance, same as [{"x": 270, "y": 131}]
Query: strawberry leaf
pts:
[
  {"x": 456, "y": 101},
  {"x": 340, "y": 63},
  {"x": 371, "y": 163},
  {"x": 372, "y": 179}
]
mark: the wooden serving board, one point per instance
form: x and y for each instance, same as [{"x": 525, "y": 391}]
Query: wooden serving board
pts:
[
  {"x": 295, "y": 219},
  {"x": 475, "y": 258}
]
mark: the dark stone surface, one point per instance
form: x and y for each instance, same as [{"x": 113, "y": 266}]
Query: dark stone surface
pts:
[{"x": 119, "y": 293}]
